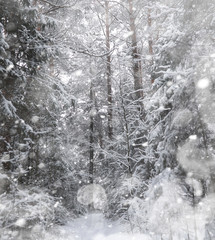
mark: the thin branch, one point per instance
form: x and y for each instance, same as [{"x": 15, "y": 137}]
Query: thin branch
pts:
[
  {"x": 86, "y": 52},
  {"x": 59, "y": 6},
  {"x": 55, "y": 7}
]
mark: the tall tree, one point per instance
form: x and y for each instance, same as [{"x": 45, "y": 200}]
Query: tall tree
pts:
[
  {"x": 137, "y": 71},
  {"x": 108, "y": 73},
  {"x": 91, "y": 137}
]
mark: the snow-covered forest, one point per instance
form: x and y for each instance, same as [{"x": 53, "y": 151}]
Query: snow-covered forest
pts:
[{"x": 107, "y": 119}]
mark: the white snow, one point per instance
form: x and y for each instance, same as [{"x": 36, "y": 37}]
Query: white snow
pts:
[
  {"x": 41, "y": 165},
  {"x": 56, "y": 204},
  {"x": 5, "y": 157},
  {"x": 192, "y": 137},
  {"x": 198, "y": 191},
  {"x": 93, "y": 227},
  {"x": 182, "y": 118},
  {"x": 203, "y": 83},
  {"x": 145, "y": 144},
  {"x": 194, "y": 159},
  {"x": 127, "y": 35},
  {"x": 93, "y": 112},
  {"x": 35, "y": 119},
  {"x": 78, "y": 73},
  {"x": 9, "y": 67},
  {"x": 20, "y": 222}
]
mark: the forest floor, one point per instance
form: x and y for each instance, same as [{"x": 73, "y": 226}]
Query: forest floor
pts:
[{"x": 93, "y": 227}]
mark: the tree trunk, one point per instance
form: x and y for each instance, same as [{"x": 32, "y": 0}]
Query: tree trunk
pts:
[
  {"x": 137, "y": 72},
  {"x": 108, "y": 73},
  {"x": 91, "y": 165},
  {"x": 126, "y": 127},
  {"x": 150, "y": 42}
]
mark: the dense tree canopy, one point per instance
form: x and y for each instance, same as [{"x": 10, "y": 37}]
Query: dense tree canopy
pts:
[{"x": 107, "y": 105}]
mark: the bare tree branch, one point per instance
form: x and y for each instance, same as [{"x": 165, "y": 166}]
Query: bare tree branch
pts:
[
  {"x": 86, "y": 52},
  {"x": 55, "y": 7}
]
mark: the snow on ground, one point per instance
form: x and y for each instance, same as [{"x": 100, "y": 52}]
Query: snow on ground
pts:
[{"x": 93, "y": 227}]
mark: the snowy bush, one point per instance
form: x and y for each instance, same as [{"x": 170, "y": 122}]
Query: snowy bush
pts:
[
  {"x": 136, "y": 214},
  {"x": 166, "y": 212},
  {"x": 123, "y": 196},
  {"x": 28, "y": 209}
]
